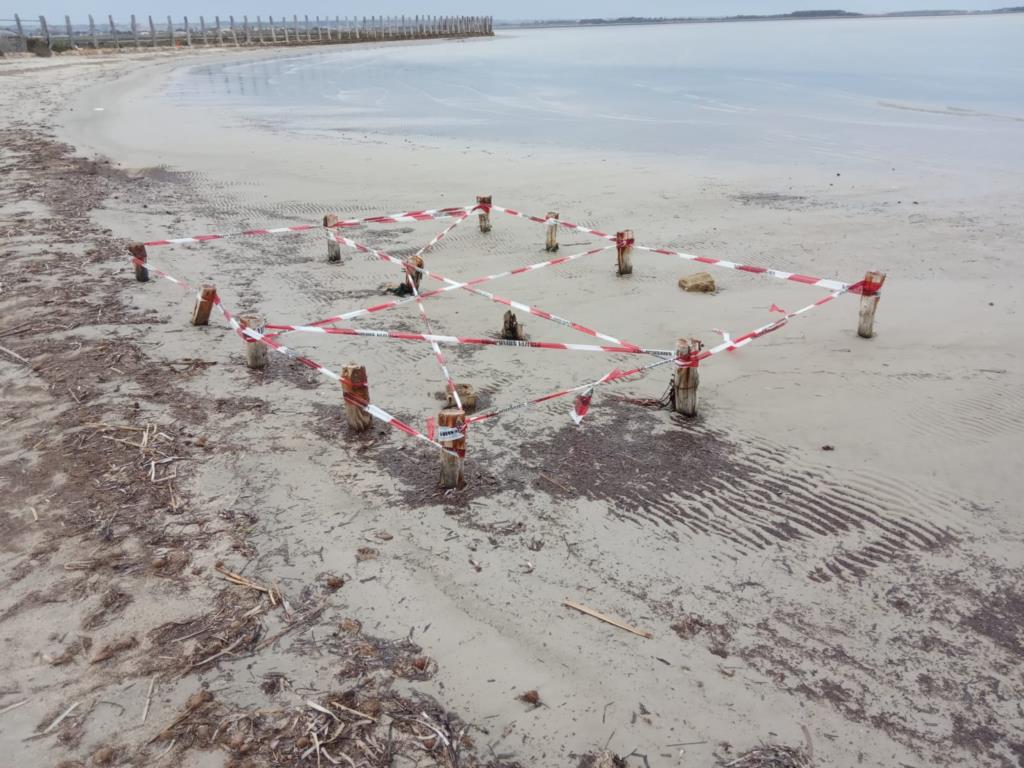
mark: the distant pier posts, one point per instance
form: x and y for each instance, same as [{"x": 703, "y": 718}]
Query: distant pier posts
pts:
[
  {"x": 204, "y": 303},
  {"x": 333, "y": 246},
  {"x": 138, "y": 252},
  {"x": 356, "y": 392},
  {"x": 256, "y": 352},
  {"x": 686, "y": 377},
  {"x": 484, "y": 205},
  {"x": 450, "y": 423},
  {"x": 869, "y": 303},
  {"x": 624, "y": 247},
  {"x": 551, "y": 244}
]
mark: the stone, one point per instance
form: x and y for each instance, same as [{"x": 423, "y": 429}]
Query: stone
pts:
[{"x": 701, "y": 282}]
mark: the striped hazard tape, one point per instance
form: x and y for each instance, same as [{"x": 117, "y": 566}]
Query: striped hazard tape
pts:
[
  {"x": 437, "y": 292},
  {"x": 832, "y": 285},
  {"x": 469, "y": 340},
  {"x": 394, "y": 218},
  {"x": 535, "y": 311},
  {"x": 253, "y": 335}
]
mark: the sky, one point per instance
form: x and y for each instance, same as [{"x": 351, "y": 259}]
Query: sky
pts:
[{"x": 500, "y": 9}]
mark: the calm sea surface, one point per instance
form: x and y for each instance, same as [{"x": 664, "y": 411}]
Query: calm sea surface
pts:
[{"x": 947, "y": 93}]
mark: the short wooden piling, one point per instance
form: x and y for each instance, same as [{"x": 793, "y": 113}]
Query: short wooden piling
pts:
[
  {"x": 138, "y": 252},
  {"x": 333, "y": 246},
  {"x": 551, "y": 244},
  {"x": 256, "y": 352},
  {"x": 624, "y": 246},
  {"x": 686, "y": 379},
  {"x": 412, "y": 271},
  {"x": 453, "y": 458},
  {"x": 869, "y": 303},
  {"x": 484, "y": 201},
  {"x": 511, "y": 330},
  {"x": 204, "y": 303},
  {"x": 356, "y": 391}
]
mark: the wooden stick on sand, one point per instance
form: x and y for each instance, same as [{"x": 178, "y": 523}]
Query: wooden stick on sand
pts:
[{"x": 607, "y": 619}]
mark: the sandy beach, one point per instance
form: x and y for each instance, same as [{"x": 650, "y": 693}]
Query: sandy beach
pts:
[{"x": 828, "y": 558}]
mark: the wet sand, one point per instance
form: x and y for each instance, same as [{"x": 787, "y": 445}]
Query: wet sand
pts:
[{"x": 862, "y": 603}]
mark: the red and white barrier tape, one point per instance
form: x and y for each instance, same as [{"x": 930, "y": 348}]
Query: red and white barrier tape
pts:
[
  {"x": 439, "y": 213},
  {"x": 438, "y": 354},
  {"x": 613, "y": 375},
  {"x": 535, "y": 311},
  {"x": 430, "y": 294},
  {"x": 727, "y": 345},
  {"x": 440, "y": 235},
  {"x": 559, "y": 222},
  {"x": 832, "y": 285},
  {"x": 469, "y": 340},
  {"x": 250, "y": 334}
]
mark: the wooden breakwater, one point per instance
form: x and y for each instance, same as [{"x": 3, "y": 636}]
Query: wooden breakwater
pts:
[{"x": 141, "y": 34}]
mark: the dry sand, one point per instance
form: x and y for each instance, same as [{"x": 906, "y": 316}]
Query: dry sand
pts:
[{"x": 863, "y": 604}]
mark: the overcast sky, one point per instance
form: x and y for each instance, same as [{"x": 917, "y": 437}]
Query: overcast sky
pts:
[{"x": 501, "y": 9}]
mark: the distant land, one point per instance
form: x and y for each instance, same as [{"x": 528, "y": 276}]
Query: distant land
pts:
[{"x": 794, "y": 16}]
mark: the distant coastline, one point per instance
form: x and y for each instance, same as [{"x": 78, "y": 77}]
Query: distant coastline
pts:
[{"x": 794, "y": 16}]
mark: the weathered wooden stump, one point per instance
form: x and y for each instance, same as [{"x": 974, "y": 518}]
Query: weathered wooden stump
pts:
[
  {"x": 256, "y": 352},
  {"x": 412, "y": 271},
  {"x": 333, "y": 246},
  {"x": 551, "y": 244},
  {"x": 453, "y": 458},
  {"x": 204, "y": 303},
  {"x": 485, "y": 212},
  {"x": 869, "y": 303},
  {"x": 686, "y": 378},
  {"x": 356, "y": 391},
  {"x": 624, "y": 246},
  {"x": 467, "y": 396},
  {"x": 138, "y": 252},
  {"x": 510, "y": 328}
]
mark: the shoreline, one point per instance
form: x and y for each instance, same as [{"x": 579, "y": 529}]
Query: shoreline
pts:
[
  {"x": 318, "y": 497},
  {"x": 740, "y": 20}
]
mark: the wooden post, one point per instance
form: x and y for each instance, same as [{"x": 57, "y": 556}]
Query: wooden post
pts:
[
  {"x": 44, "y": 30},
  {"x": 248, "y": 29},
  {"x": 510, "y": 327},
  {"x": 17, "y": 23},
  {"x": 869, "y": 303},
  {"x": 624, "y": 246},
  {"x": 686, "y": 379},
  {"x": 485, "y": 213},
  {"x": 333, "y": 246},
  {"x": 551, "y": 245},
  {"x": 152, "y": 31},
  {"x": 71, "y": 34},
  {"x": 452, "y": 465},
  {"x": 273, "y": 31},
  {"x": 204, "y": 303},
  {"x": 256, "y": 352},
  {"x": 93, "y": 35},
  {"x": 202, "y": 29},
  {"x": 356, "y": 393},
  {"x": 412, "y": 270},
  {"x": 234, "y": 34},
  {"x": 113, "y": 32},
  {"x": 188, "y": 33},
  {"x": 220, "y": 32},
  {"x": 138, "y": 252},
  {"x": 170, "y": 30}
]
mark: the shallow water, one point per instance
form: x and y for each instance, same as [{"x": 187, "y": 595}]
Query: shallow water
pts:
[{"x": 945, "y": 93}]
